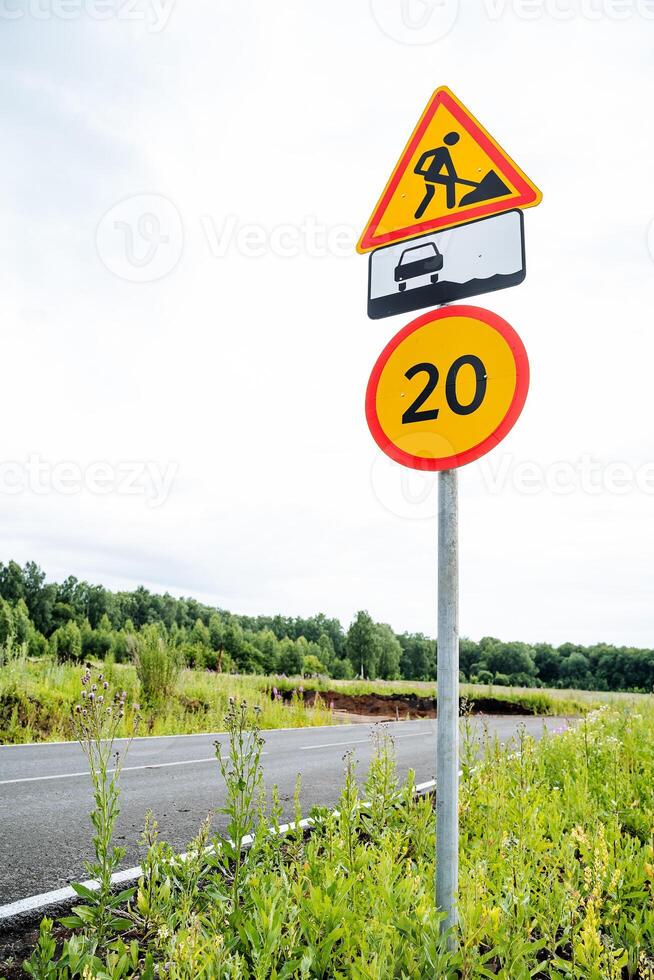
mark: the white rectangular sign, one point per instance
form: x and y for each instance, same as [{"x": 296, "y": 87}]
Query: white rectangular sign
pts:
[{"x": 478, "y": 257}]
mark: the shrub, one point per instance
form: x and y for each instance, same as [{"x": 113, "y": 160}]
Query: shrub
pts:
[
  {"x": 312, "y": 667},
  {"x": 157, "y": 665},
  {"x": 193, "y": 655},
  {"x": 66, "y": 641},
  {"x": 342, "y": 670},
  {"x": 37, "y": 645}
]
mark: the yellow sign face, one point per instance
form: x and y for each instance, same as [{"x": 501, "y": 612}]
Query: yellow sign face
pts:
[
  {"x": 451, "y": 171},
  {"x": 447, "y": 388}
]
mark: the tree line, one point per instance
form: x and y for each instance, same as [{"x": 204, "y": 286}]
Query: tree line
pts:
[{"x": 73, "y": 619}]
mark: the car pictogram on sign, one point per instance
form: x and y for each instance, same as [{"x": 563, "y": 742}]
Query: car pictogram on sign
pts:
[{"x": 419, "y": 260}]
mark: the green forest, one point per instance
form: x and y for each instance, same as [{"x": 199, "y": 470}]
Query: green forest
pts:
[{"x": 73, "y": 620}]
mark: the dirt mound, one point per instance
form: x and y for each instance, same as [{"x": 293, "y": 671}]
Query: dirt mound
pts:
[{"x": 403, "y": 706}]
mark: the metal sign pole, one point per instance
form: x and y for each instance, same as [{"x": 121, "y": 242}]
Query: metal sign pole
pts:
[{"x": 447, "y": 750}]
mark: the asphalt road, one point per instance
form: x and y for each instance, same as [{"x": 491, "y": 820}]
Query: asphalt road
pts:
[{"x": 45, "y": 791}]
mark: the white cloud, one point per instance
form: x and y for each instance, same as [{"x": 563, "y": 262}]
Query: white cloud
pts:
[{"x": 249, "y": 372}]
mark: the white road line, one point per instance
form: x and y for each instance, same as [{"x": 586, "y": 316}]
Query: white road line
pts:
[
  {"x": 35, "y": 779},
  {"x": 337, "y": 726},
  {"x": 73, "y": 775},
  {"x": 355, "y": 741}
]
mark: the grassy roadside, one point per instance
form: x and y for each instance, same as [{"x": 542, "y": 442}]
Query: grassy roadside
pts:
[
  {"x": 535, "y": 701},
  {"x": 37, "y": 697},
  {"x": 426, "y": 688},
  {"x": 557, "y": 876}
]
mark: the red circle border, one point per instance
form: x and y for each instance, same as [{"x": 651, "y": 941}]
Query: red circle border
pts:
[{"x": 510, "y": 418}]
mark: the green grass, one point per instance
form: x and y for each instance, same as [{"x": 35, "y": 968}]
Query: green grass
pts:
[
  {"x": 37, "y": 696},
  {"x": 556, "y": 877}
]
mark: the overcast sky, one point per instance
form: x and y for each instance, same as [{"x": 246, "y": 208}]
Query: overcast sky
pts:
[{"x": 182, "y": 186}]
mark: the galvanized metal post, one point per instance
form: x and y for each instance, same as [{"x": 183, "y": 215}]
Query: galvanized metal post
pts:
[{"x": 447, "y": 749}]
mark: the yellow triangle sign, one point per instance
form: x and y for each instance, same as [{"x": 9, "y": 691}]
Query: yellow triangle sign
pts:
[{"x": 451, "y": 171}]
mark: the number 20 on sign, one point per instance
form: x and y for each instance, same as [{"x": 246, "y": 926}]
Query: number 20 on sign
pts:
[{"x": 447, "y": 388}]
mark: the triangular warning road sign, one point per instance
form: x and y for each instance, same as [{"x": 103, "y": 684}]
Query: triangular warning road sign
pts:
[{"x": 451, "y": 171}]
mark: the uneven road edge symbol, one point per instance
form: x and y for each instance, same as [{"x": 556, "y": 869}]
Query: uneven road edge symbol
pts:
[
  {"x": 447, "y": 266},
  {"x": 447, "y": 388},
  {"x": 450, "y": 171}
]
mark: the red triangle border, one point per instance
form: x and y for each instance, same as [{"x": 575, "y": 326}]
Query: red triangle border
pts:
[{"x": 526, "y": 194}]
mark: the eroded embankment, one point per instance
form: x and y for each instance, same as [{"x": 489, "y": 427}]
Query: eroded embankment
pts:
[{"x": 404, "y": 706}]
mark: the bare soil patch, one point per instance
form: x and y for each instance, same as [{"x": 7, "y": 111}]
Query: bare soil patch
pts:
[{"x": 402, "y": 707}]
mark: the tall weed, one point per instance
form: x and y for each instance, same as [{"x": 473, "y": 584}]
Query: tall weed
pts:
[{"x": 157, "y": 665}]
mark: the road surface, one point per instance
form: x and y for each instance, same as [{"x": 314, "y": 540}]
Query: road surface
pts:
[{"x": 45, "y": 791}]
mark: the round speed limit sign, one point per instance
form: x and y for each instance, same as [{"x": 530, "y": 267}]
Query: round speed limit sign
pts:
[{"x": 447, "y": 388}]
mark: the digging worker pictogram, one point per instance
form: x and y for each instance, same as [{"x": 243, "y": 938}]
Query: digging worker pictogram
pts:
[{"x": 437, "y": 167}]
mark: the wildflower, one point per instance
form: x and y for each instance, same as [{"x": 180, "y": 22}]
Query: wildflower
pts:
[
  {"x": 100, "y": 699},
  {"x": 84, "y": 693},
  {"x": 91, "y": 696},
  {"x": 106, "y": 685}
]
